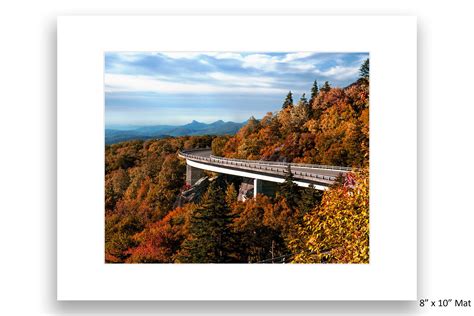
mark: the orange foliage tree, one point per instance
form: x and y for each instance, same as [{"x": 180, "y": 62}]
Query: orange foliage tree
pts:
[
  {"x": 160, "y": 241},
  {"x": 144, "y": 178},
  {"x": 336, "y": 231},
  {"x": 333, "y": 129}
]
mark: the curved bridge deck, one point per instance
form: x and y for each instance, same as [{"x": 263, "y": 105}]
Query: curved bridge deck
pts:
[{"x": 320, "y": 176}]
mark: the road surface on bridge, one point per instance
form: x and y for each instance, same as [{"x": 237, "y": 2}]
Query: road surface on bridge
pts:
[{"x": 307, "y": 173}]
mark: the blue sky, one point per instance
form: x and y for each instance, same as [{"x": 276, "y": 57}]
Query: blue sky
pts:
[{"x": 148, "y": 88}]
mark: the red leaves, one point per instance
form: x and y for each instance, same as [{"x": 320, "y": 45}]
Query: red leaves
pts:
[{"x": 160, "y": 241}]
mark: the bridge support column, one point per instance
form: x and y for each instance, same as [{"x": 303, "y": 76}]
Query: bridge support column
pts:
[
  {"x": 264, "y": 187},
  {"x": 257, "y": 187},
  {"x": 193, "y": 175}
]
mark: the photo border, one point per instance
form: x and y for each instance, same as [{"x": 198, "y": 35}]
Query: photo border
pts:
[{"x": 391, "y": 274}]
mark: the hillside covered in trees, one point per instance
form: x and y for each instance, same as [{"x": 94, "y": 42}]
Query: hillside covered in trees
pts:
[
  {"x": 148, "y": 221},
  {"x": 332, "y": 128}
]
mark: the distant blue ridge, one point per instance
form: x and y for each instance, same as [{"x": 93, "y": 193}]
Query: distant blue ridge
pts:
[{"x": 194, "y": 128}]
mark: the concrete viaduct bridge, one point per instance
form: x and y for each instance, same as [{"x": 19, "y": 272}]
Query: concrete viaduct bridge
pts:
[{"x": 265, "y": 174}]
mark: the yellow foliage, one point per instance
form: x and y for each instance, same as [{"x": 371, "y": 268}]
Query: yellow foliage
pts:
[{"x": 337, "y": 231}]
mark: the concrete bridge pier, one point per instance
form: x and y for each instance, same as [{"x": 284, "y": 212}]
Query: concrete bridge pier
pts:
[{"x": 193, "y": 175}]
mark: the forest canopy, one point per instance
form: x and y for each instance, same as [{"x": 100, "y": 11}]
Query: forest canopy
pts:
[{"x": 148, "y": 218}]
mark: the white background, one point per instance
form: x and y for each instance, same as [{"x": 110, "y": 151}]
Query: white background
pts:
[
  {"x": 28, "y": 158},
  {"x": 82, "y": 274}
]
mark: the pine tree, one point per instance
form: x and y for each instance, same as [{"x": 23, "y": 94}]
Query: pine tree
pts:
[
  {"x": 303, "y": 100},
  {"x": 310, "y": 198},
  {"x": 314, "y": 92},
  {"x": 307, "y": 109},
  {"x": 211, "y": 236},
  {"x": 364, "y": 70},
  {"x": 289, "y": 190},
  {"x": 326, "y": 87},
  {"x": 231, "y": 194},
  {"x": 288, "y": 100}
]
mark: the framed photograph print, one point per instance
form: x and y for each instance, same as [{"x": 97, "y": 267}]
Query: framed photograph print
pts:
[{"x": 237, "y": 158}]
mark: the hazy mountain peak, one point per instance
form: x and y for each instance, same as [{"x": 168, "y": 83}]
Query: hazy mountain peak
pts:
[{"x": 158, "y": 131}]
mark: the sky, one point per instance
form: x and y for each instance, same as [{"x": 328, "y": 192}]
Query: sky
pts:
[{"x": 175, "y": 88}]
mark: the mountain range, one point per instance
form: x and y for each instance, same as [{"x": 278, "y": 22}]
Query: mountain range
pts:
[{"x": 159, "y": 131}]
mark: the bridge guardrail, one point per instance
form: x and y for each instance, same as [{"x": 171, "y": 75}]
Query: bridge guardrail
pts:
[
  {"x": 258, "y": 167},
  {"x": 316, "y": 166}
]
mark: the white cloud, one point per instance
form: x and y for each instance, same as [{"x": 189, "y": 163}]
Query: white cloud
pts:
[
  {"x": 225, "y": 55},
  {"x": 301, "y": 66},
  {"x": 141, "y": 83},
  {"x": 181, "y": 55},
  {"x": 260, "y": 61},
  {"x": 228, "y": 82},
  {"x": 339, "y": 72},
  {"x": 193, "y": 55},
  {"x": 273, "y": 63},
  {"x": 236, "y": 80},
  {"x": 294, "y": 56},
  {"x": 249, "y": 60},
  {"x": 129, "y": 56}
]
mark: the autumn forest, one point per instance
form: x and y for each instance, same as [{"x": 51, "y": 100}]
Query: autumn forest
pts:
[{"x": 153, "y": 216}]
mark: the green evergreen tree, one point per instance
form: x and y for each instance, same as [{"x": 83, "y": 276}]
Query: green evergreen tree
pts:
[
  {"x": 306, "y": 106},
  {"x": 289, "y": 190},
  {"x": 364, "y": 70},
  {"x": 288, "y": 100},
  {"x": 211, "y": 237},
  {"x": 303, "y": 100},
  {"x": 310, "y": 198},
  {"x": 326, "y": 87},
  {"x": 314, "y": 92},
  {"x": 231, "y": 194}
]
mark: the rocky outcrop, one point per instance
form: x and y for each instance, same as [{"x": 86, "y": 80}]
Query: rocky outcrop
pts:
[
  {"x": 194, "y": 194},
  {"x": 245, "y": 190}
]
